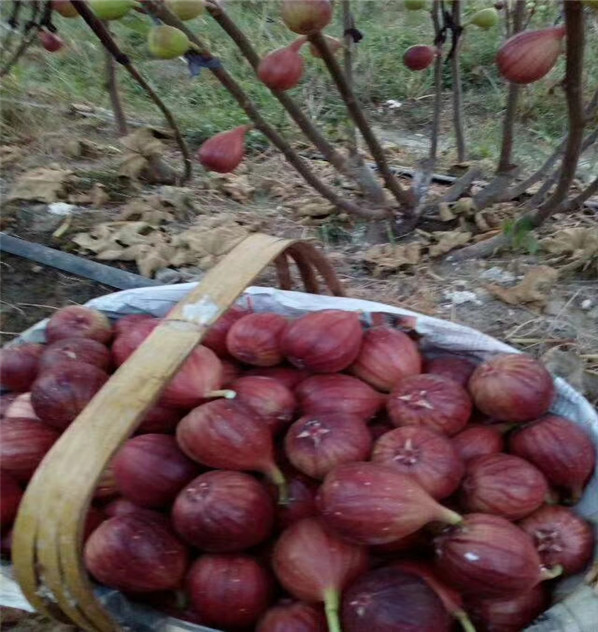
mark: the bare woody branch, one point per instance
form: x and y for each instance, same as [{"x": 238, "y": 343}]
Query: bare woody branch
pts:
[
  {"x": 349, "y": 45},
  {"x": 104, "y": 36},
  {"x": 366, "y": 181},
  {"x": 356, "y": 112},
  {"x": 458, "y": 124},
  {"x": 506, "y": 151},
  {"x": 26, "y": 42},
  {"x": 575, "y": 45},
  {"x": 120, "y": 119},
  {"x": 245, "y": 103},
  {"x": 583, "y": 197}
]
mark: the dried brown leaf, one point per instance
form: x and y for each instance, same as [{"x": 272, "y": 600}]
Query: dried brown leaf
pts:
[
  {"x": 388, "y": 258},
  {"x": 573, "y": 249},
  {"x": 447, "y": 240},
  {"x": 10, "y": 154},
  {"x": 41, "y": 185},
  {"x": 534, "y": 288},
  {"x": 446, "y": 215}
]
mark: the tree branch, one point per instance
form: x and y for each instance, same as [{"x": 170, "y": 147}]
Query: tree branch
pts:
[
  {"x": 423, "y": 175},
  {"x": 584, "y": 196},
  {"x": 104, "y": 36},
  {"x": 369, "y": 185},
  {"x": 26, "y": 42},
  {"x": 245, "y": 103},
  {"x": 574, "y": 23},
  {"x": 506, "y": 152},
  {"x": 120, "y": 119},
  {"x": 457, "y": 83},
  {"x": 349, "y": 45},
  {"x": 356, "y": 112}
]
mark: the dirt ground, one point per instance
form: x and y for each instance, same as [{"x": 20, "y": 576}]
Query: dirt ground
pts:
[{"x": 554, "y": 317}]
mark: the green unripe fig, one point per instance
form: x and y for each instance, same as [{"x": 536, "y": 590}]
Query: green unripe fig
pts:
[
  {"x": 166, "y": 42},
  {"x": 485, "y": 19},
  {"x": 111, "y": 9},
  {"x": 415, "y": 5},
  {"x": 186, "y": 9}
]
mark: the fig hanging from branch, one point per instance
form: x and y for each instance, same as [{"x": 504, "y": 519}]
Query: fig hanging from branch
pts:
[
  {"x": 282, "y": 69},
  {"x": 530, "y": 55}
]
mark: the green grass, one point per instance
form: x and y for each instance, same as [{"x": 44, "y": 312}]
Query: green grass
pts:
[{"x": 203, "y": 107}]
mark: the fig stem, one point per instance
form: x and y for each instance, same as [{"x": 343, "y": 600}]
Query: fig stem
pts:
[
  {"x": 331, "y": 607},
  {"x": 464, "y": 620},
  {"x": 450, "y": 516},
  {"x": 551, "y": 573},
  {"x": 225, "y": 392},
  {"x": 277, "y": 477}
]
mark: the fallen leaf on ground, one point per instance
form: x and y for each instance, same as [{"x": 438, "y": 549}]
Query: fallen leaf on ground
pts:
[
  {"x": 81, "y": 148},
  {"x": 534, "y": 288},
  {"x": 41, "y": 185},
  {"x": 10, "y": 154},
  {"x": 152, "y": 249},
  {"x": 573, "y": 248},
  {"x": 444, "y": 210},
  {"x": 447, "y": 241},
  {"x": 142, "y": 159},
  {"x": 388, "y": 258}
]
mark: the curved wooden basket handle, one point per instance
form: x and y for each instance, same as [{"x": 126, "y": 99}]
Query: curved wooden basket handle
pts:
[{"x": 47, "y": 547}]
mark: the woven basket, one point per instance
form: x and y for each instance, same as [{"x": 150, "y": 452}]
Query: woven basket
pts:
[
  {"x": 47, "y": 541},
  {"x": 48, "y": 533}
]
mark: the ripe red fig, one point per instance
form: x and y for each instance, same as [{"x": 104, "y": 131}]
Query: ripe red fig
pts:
[
  {"x": 337, "y": 393},
  {"x": 282, "y": 69},
  {"x": 367, "y": 503},
  {"x": 426, "y": 456},
  {"x": 230, "y": 591},
  {"x": 323, "y": 342},
  {"x": 50, "y": 41},
  {"x": 504, "y": 485},
  {"x": 489, "y": 557},
  {"x": 433, "y": 401},
  {"x": 478, "y": 440},
  {"x": 256, "y": 339},
  {"x": 530, "y": 55},
  {"x": 268, "y": 398},
  {"x": 76, "y": 320},
  {"x": 314, "y": 565},
  {"x": 306, "y": 16},
  {"x": 289, "y": 616},
  {"x": 561, "y": 537},
  {"x": 512, "y": 387},
  {"x": 419, "y": 57},
  {"x": 509, "y": 615},
  {"x": 560, "y": 449},
  {"x": 315, "y": 444},
  {"x": 224, "y": 152},
  {"x": 386, "y": 356}
]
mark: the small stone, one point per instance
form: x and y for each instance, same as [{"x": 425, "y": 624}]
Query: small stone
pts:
[
  {"x": 461, "y": 297},
  {"x": 587, "y": 304},
  {"x": 36, "y": 268}
]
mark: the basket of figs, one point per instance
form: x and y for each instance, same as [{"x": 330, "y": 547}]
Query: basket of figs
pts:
[{"x": 225, "y": 457}]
